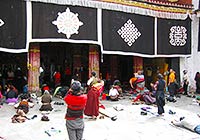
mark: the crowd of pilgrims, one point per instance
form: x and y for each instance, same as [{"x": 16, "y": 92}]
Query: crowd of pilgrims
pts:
[{"x": 85, "y": 101}]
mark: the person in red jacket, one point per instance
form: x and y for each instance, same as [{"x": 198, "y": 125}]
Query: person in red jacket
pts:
[
  {"x": 76, "y": 102},
  {"x": 57, "y": 78}
]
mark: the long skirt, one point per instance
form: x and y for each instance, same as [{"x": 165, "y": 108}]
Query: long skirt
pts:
[
  {"x": 160, "y": 101},
  {"x": 92, "y": 104}
]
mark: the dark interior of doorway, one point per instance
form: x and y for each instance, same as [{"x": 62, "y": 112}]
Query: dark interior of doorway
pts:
[
  {"x": 68, "y": 58},
  {"x": 159, "y": 65},
  {"x": 13, "y": 61},
  {"x": 118, "y": 67}
]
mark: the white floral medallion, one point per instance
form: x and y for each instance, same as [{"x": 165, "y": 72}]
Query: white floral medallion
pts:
[{"x": 67, "y": 23}]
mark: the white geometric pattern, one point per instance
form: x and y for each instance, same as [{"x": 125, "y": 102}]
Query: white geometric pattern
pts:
[
  {"x": 178, "y": 35},
  {"x": 129, "y": 33},
  {"x": 1, "y": 22},
  {"x": 67, "y": 23}
]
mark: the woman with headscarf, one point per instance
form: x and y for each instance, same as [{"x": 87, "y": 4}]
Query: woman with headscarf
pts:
[
  {"x": 76, "y": 102},
  {"x": 46, "y": 102}
]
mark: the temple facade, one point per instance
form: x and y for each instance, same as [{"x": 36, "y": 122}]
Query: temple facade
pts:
[{"x": 114, "y": 38}]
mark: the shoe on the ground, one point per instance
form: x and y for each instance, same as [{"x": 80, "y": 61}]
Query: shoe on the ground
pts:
[
  {"x": 171, "y": 112},
  {"x": 34, "y": 116},
  {"x": 44, "y": 118},
  {"x": 143, "y": 113}
]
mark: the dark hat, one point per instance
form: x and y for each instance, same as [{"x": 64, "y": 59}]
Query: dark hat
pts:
[
  {"x": 116, "y": 82},
  {"x": 76, "y": 86},
  {"x": 160, "y": 76},
  {"x": 181, "y": 118},
  {"x": 93, "y": 73},
  {"x": 185, "y": 71}
]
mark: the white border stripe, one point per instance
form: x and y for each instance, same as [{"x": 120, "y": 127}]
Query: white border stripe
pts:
[
  {"x": 118, "y": 7},
  {"x": 143, "y": 55},
  {"x": 29, "y": 23},
  {"x": 28, "y": 17},
  {"x": 99, "y": 27},
  {"x": 155, "y": 35},
  {"x": 65, "y": 40}
]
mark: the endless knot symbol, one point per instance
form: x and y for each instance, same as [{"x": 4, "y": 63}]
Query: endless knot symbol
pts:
[
  {"x": 1, "y": 22},
  {"x": 129, "y": 33}
]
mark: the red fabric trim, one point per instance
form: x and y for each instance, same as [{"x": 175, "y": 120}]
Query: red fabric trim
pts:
[{"x": 73, "y": 118}]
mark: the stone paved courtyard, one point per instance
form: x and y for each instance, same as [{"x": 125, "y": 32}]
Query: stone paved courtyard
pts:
[{"x": 130, "y": 124}]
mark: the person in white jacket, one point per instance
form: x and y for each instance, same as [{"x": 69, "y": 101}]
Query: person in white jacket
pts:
[{"x": 188, "y": 123}]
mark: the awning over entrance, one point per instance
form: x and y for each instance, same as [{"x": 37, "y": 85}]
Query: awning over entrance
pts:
[
  {"x": 12, "y": 26},
  {"x": 155, "y": 8},
  {"x": 127, "y": 33},
  {"x": 174, "y": 37},
  {"x": 117, "y": 32},
  {"x": 64, "y": 22},
  {"x": 131, "y": 34}
]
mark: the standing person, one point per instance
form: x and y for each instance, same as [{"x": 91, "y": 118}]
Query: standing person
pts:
[
  {"x": 197, "y": 79},
  {"x": 140, "y": 83},
  {"x": 172, "y": 84},
  {"x": 92, "y": 105},
  {"x": 160, "y": 95},
  {"x": 93, "y": 79},
  {"x": 68, "y": 75},
  {"x": 185, "y": 82},
  {"x": 57, "y": 78},
  {"x": 76, "y": 102}
]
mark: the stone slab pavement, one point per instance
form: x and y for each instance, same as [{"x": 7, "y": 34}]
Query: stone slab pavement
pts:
[{"x": 130, "y": 124}]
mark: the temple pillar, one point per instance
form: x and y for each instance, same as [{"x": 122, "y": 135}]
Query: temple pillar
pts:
[
  {"x": 114, "y": 67},
  {"x": 93, "y": 59},
  {"x": 137, "y": 63},
  {"x": 33, "y": 68}
]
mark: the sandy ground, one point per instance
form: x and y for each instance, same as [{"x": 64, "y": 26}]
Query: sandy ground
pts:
[{"x": 130, "y": 124}]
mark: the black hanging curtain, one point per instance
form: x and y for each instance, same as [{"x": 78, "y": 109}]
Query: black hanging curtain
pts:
[
  {"x": 199, "y": 39},
  {"x": 199, "y": 33},
  {"x": 174, "y": 37},
  {"x": 125, "y": 32},
  {"x": 44, "y": 14},
  {"x": 12, "y": 24}
]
